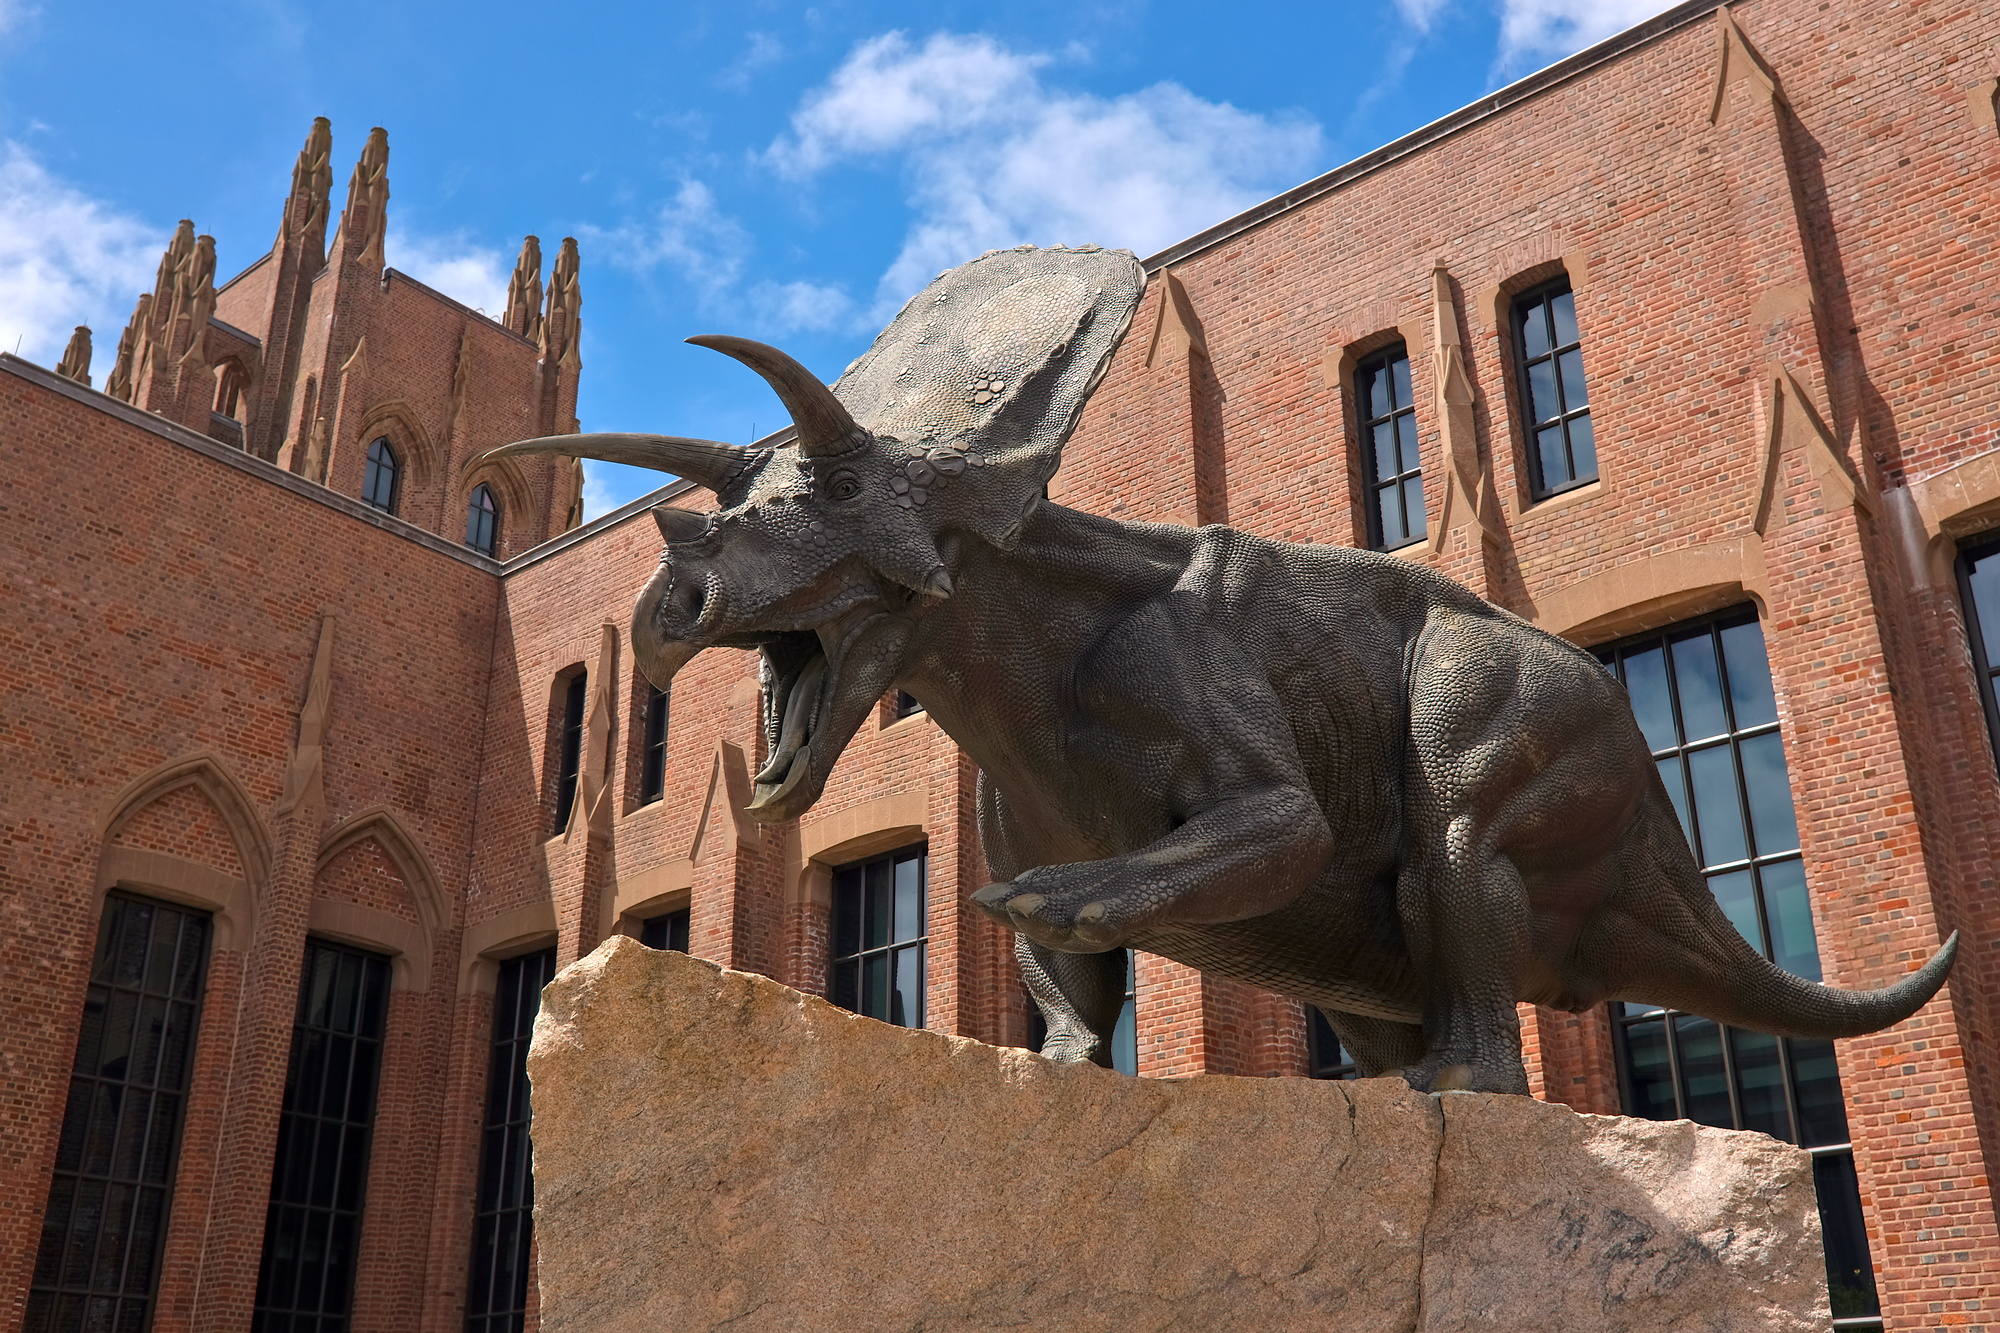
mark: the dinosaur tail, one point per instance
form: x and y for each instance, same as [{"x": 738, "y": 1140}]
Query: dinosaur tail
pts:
[{"x": 1759, "y": 995}]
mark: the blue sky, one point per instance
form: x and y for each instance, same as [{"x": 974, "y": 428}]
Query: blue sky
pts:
[{"x": 786, "y": 172}]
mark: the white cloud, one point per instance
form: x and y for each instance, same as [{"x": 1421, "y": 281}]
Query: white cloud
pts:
[
  {"x": 763, "y": 50},
  {"x": 1419, "y": 13},
  {"x": 468, "y": 273},
  {"x": 66, "y": 259},
  {"x": 1547, "y": 30},
  {"x": 994, "y": 157},
  {"x": 802, "y": 305},
  {"x": 13, "y": 11}
]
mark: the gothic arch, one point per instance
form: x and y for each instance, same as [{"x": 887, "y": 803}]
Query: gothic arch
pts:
[
  {"x": 508, "y": 484},
  {"x": 1656, "y": 590},
  {"x": 233, "y": 900},
  {"x": 404, "y": 852},
  {"x": 399, "y": 421}
]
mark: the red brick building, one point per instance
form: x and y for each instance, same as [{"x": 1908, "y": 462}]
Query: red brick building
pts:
[{"x": 1683, "y": 348}]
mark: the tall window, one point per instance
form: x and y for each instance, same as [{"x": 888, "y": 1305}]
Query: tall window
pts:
[
  {"x": 1389, "y": 434},
  {"x": 653, "y": 759},
  {"x": 879, "y": 938},
  {"x": 1702, "y": 695},
  {"x": 668, "y": 930},
  {"x": 107, "y": 1211},
  {"x": 1561, "y": 449},
  {"x": 482, "y": 520},
  {"x": 382, "y": 485},
  {"x": 503, "y": 1220},
  {"x": 1325, "y": 1056},
  {"x": 569, "y": 750},
  {"x": 1979, "y": 589},
  {"x": 312, "y": 1227}
]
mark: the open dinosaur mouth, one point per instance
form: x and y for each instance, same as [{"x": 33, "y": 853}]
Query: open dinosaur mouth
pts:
[{"x": 805, "y": 687}]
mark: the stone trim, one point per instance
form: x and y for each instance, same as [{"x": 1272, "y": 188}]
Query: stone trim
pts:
[
  {"x": 407, "y": 944},
  {"x": 404, "y": 851},
  {"x": 203, "y": 769},
  {"x": 666, "y": 887},
  {"x": 818, "y": 844},
  {"x": 496, "y": 939},
  {"x": 190, "y": 883},
  {"x": 1656, "y": 590}
]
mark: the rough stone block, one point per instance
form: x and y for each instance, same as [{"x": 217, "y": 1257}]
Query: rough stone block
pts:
[{"x": 714, "y": 1150}]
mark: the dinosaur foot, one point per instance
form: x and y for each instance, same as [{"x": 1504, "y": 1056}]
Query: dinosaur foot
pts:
[
  {"x": 1442, "y": 1073},
  {"x": 1071, "y": 922}
]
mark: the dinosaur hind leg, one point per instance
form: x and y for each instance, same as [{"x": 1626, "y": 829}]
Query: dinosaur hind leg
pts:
[
  {"x": 1376, "y": 1045},
  {"x": 1079, "y": 995}
]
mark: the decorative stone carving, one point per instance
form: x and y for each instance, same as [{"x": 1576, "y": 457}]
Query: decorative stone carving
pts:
[
  {"x": 524, "y": 292},
  {"x": 75, "y": 363}
]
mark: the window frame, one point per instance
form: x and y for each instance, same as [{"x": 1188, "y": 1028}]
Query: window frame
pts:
[
  {"x": 1539, "y": 298},
  {"x": 1969, "y": 554},
  {"x": 1382, "y": 361},
  {"x": 569, "y": 705},
  {"x": 489, "y": 513},
  {"x": 394, "y": 468},
  {"x": 836, "y": 989},
  {"x": 488, "y": 1315},
  {"x": 653, "y": 744}
]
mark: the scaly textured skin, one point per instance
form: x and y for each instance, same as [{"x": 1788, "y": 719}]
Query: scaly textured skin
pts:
[{"x": 1324, "y": 771}]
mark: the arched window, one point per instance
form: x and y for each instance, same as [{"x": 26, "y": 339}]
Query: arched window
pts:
[
  {"x": 482, "y": 520},
  {"x": 384, "y": 480}
]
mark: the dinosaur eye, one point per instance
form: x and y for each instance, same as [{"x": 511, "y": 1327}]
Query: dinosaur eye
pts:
[{"x": 843, "y": 485}]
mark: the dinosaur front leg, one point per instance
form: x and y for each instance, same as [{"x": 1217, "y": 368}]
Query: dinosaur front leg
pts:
[{"x": 1239, "y": 859}]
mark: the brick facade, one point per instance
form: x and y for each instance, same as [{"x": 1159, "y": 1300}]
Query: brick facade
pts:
[{"x": 232, "y": 685}]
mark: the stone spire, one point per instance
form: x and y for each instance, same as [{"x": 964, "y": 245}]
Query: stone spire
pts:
[
  {"x": 367, "y": 215},
  {"x": 119, "y": 383},
  {"x": 524, "y": 292},
  {"x": 75, "y": 363},
  {"x": 563, "y": 320},
  {"x": 312, "y": 184}
]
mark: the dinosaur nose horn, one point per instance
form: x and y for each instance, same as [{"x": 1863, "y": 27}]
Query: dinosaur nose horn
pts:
[
  {"x": 825, "y": 427},
  {"x": 709, "y": 463}
]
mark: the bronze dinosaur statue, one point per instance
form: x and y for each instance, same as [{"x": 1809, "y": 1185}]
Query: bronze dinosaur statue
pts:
[{"x": 1324, "y": 771}]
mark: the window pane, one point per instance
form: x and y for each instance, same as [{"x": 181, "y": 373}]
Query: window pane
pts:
[
  {"x": 875, "y": 986},
  {"x": 1749, "y": 675},
  {"x": 1542, "y": 388},
  {"x": 1574, "y": 394},
  {"x": 503, "y": 1220},
  {"x": 1704, "y": 1079},
  {"x": 1737, "y": 897},
  {"x": 1816, "y": 1079},
  {"x": 1716, "y": 810},
  {"x": 1375, "y": 391},
  {"x": 909, "y": 898},
  {"x": 1385, "y": 450},
  {"x": 880, "y": 903},
  {"x": 1699, "y": 683},
  {"x": 847, "y": 911},
  {"x": 1649, "y": 1082},
  {"x": 1769, "y": 787},
  {"x": 1555, "y": 462},
  {"x": 906, "y": 1004},
  {"x": 1125, "y": 1039},
  {"x": 1760, "y": 1083},
  {"x": 1389, "y": 515},
  {"x": 1413, "y": 505},
  {"x": 1562, "y": 309},
  {"x": 1534, "y": 324},
  {"x": 1984, "y": 576},
  {"x": 1850, "y": 1276},
  {"x": 1406, "y": 442},
  {"x": 1583, "y": 448},
  {"x": 1646, "y": 682},
  {"x": 1399, "y": 374},
  {"x": 1676, "y": 785},
  {"x": 1793, "y": 944},
  {"x": 845, "y": 988}
]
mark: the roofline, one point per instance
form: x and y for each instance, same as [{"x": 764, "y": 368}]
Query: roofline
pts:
[
  {"x": 229, "y": 456},
  {"x": 1564, "y": 70},
  {"x": 250, "y": 268},
  {"x": 603, "y": 522},
  {"x": 460, "y": 306}
]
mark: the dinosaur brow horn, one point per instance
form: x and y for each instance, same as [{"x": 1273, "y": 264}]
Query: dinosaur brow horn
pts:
[
  {"x": 709, "y": 463},
  {"x": 824, "y": 425}
]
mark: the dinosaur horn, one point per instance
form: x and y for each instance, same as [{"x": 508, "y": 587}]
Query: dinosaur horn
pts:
[
  {"x": 710, "y": 463},
  {"x": 824, "y": 426}
]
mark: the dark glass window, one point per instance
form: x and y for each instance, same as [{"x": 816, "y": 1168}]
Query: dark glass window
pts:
[
  {"x": 312, "y": 1227},
  {"x": 1562, "y": 452},
  {"x": 879, "y": 937},
  {"x": 382, "y": 485},
  {"x": 569, "y": 750},
  {"x": 482, "y": 520},
  {"x": 1979, "y": 589},
  {"x": 1389, "y": 450},
  {"x": 1702, "y": 695},
  {"x": 496, "y": 1295},
  {"x": 907, "y": 705},
  {"x": 669, "y": 930},
  {"x": 114, "y": 1177},
  {"x": 653, "y": 761},
  {"x": 1325, "y": 1056}
]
